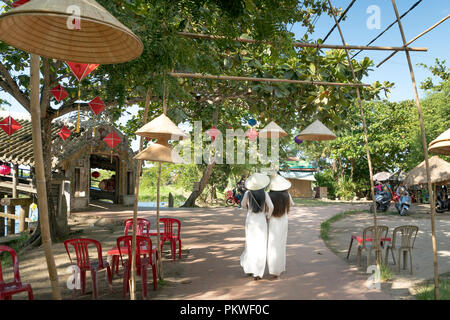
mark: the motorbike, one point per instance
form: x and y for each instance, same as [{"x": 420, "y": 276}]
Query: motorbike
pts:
[
  {"x": 383, "y": 201},
  {"x": 403, "y": 204},
  {"x": 231, "y": 197}
]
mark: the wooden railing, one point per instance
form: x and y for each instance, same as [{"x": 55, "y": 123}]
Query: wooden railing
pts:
[{"x": 11, "y": 204}]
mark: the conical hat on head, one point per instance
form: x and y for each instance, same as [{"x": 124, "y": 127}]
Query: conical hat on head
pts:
[
  {"x": 271, "y": 130},
  {"x": 316, "y": 131},
  {"x": 161, "y": 128},
  {"x": 278, "y": 183},
  {"x": 46, "y": 28},
  {"x": 257, "y": 181},
  {"x": 159, "y": 153},
  {"x": 441, "y": 144}
]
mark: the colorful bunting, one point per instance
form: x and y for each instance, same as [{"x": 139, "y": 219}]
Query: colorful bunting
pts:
[
  {"x": 64, "y": 133},
  {"x": 298, "y": 140},
  {"x": 213, "y": 132},
  {"x": 252, "y": 122},
  {"x": 59, "y": 93}
]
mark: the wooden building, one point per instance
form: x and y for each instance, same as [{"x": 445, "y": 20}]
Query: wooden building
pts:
[
  {"x": 301, "y": 175},
  {"x": 73, "y": 162}
]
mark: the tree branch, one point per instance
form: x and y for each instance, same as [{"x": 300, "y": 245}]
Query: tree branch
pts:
[{"x": 9, "y": 85}]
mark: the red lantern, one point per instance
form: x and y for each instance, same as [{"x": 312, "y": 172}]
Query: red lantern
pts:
[
  {"x": 252, "y": 134},
  {"x": 213, "y": 132},
  {"x": 19, "y": 3},
  {"x": 97, "y": 105},
  {"x": 9, "y": 125},
  {"x": 64, "y": 133},
  {"x": 81, "y": 70},
  {"x": 112, "y": 140},
  {"x": 95, "y": 174},
  {"x": 5, "y": 170},
  {"x": 59, "y": 93}
]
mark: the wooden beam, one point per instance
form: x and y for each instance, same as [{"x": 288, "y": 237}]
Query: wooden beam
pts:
[
  {"x": 415, "y": 38},
  {"x": 302, "y": 44},
  {"x": 13, "y": 216},
  {"x": 235, "y": 78},
  {"x": 16, "y": 201},
  {"x": 425, "y": 151}
]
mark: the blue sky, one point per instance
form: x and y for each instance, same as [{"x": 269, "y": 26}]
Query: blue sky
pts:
[{"x": 356, "y": 32}]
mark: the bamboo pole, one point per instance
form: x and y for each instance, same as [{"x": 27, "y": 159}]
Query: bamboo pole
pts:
[
  {"x": 366, "y": 140},
  {"x": 301, "y": 44},
  {"x": 425, "y": 150},
  {"x": 235, "y": 78},
  {"x": 415, "y": 38},
  {"x": 40, "y": 174},
  {"x": 135, "y": 208}
]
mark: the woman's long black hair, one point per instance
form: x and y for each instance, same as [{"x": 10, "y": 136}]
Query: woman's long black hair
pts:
[
  {"x": 257, "y": 200},
  {"x": 281, "y": 202}
]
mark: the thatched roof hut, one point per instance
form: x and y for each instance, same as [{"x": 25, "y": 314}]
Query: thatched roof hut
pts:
[{"x": 439, "y": 170}]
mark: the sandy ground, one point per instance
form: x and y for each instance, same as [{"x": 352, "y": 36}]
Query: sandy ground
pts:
[
  {"x": 403, "y": 284},
  {"x": 213, "y": 240}
]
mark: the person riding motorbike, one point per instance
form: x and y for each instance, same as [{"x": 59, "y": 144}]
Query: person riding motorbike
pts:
[{"x": 240, "y": 189}]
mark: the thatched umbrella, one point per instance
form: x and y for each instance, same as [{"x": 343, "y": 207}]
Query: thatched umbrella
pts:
[
  {"x": 316, "y": 131},
  {"x": 43, "y": 28},
  {"x": 163, "y": 129},
  {"x": 381, "y": 176},
  {"x": 441, "y": 144},
  {"x": 439, "y": 173}
]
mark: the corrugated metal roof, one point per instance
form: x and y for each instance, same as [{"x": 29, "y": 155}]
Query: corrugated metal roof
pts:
[{"x": 309, "y": 176}]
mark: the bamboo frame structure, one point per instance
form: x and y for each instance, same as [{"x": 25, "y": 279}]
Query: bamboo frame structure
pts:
[
  {"x": 339, "y": 20},
  {"x": 427, "y": 165},
  {"x": 40, "y": 173},
  {"x": 415, "y": 38},
  {"x": 366, "y": 140},
  {"x": 236, "y": 78},
  {"x": 135, "y": 207},
  {"x": 302, "y": 44}
]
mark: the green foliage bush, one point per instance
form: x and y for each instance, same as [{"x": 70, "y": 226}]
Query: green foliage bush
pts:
[{"x": 326, "y": 179}]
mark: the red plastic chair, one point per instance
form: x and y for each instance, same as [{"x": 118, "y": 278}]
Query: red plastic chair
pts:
[
  {"x": 169, "y": 235},
  {"x": 7, "y": 290},
  {"x": 143, "y": 226},
  {"x": 142, "y": 263},
  {"x": 83, "y": 263},
  {"x": 143, "y": 229}
]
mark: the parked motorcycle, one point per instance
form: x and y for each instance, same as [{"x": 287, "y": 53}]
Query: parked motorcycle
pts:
[
  {"x": 404, "y": 203},
  {"x": 231, "y": 198},
  {"x": 383, "y": 201}
]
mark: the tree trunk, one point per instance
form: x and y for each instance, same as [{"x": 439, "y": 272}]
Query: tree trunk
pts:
[{"x": 190, "y": 202}]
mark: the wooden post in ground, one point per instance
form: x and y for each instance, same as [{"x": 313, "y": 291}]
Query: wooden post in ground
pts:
[
  {"x": 366, "y": 140},
  {"x": 135, "y": 208},
  {"x": 15, "y": 179},
  {"x": 425, "y": 151},
  {"x": 11, "y": 222},
  {"x": 40, "y": 173}
]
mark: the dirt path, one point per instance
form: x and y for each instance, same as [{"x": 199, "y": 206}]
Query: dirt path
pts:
[{"x": 213, "y": 240}]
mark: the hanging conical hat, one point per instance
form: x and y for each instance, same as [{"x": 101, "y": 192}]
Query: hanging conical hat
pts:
[
  {"x": 47, "y": 28},
  {"x": 161, "y": 128},
  {"x": 159, "y": 153},
  {"x": 441, "y": 144},
  {"x": 316, "y": 131},
  {"x": 272, "y": 130}
]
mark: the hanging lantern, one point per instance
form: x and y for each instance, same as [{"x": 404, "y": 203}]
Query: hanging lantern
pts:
[
  {"x": 5, "y": 170},
  {"x": 112, "y": 140},
  {"x": 95, "y": 174},
  {"x": 59, "y": 93},
  {"x": 97, "y": 106},
  {"x": 316, "y": 131},
  {"x": 80, "y": 71},
  {"x": 213, "y": 133},
  {"x": 252, "y": 134},
  {"x": 19, "y": 3},
  {"x": 298, "y": 140},
  {"x": 9, "y": 125},
  {"x": 64, "y": 133}
]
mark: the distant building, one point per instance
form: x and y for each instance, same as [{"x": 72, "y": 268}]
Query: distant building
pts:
[{"x": 301, "y": 175}]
